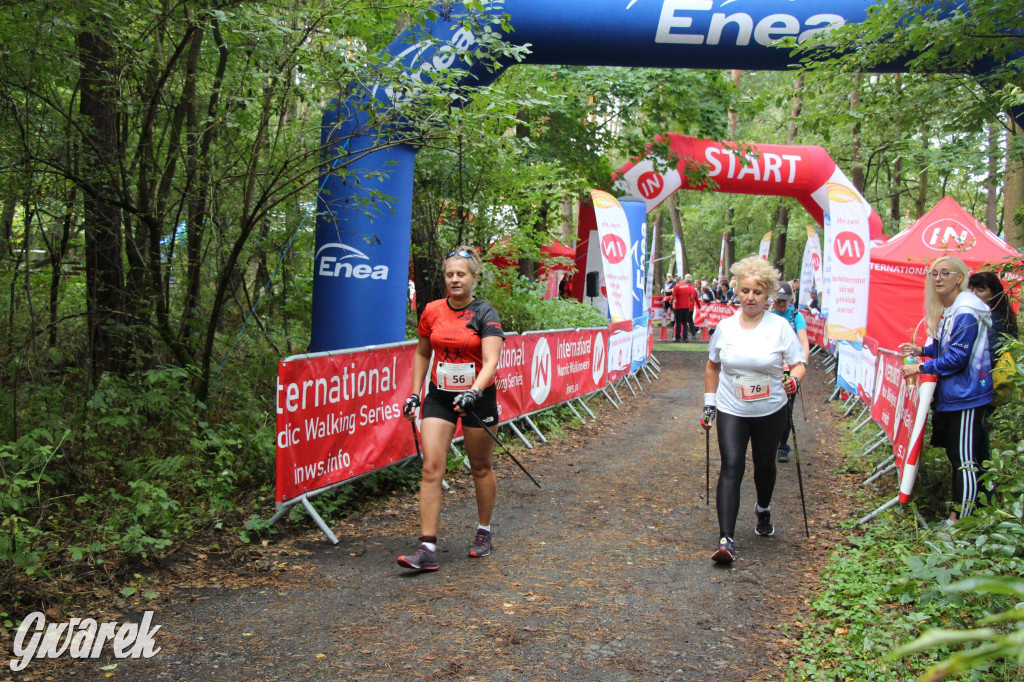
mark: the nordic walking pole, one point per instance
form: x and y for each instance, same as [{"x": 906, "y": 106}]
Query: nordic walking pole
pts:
[
  {"x": 500, "y": 445},
  {"x": 416, "y": 438},
  {"x": 799, "y": 475},
  {"x": 707, "y": 467}
]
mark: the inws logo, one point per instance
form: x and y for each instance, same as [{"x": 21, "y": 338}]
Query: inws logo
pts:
[
  {"x": 685, "y": 22},
  {"x": 849, "y": 248},
  {"x": 650, "y": 184},
  {"x": 948, "y": 236},
  {"x": 540, "y": 372},
  {"x": 613, "y": 248},
  {"x": 340, "y": 265},
  {"x": 597, "y": 362}
]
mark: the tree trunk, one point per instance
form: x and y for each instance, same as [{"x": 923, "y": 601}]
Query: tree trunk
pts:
[
  {"x": 101, "y": 212},
  {"x": 857, "y": 168},
  {"x": 1013, "y": 191},
  {"x": 659, "y": 264},
  {"x": 677, "y": 228},
  {"x": 782, "y": 218},
  {"x": 895, "y": 190},
  {"x": 991, "y": 184},
  {"x": 922, "y": 188}
]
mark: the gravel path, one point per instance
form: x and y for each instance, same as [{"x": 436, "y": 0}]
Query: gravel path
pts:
[{"x": 604, "y": 574}]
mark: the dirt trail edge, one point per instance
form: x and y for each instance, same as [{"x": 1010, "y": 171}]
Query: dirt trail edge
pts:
[{"x": 604, "y": 574}]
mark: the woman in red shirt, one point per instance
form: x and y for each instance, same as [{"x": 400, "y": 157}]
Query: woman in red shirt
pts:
[{"x": 464, "y": 336}]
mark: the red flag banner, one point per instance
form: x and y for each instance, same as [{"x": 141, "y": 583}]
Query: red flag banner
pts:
[
  {"x": 910, "y": 436},
  {"x": 815, "y": 328},
  {"x": 340, "y": 416}
]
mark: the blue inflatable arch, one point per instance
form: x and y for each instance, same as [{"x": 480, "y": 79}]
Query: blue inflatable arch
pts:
[{"x": 362, "y": 256}]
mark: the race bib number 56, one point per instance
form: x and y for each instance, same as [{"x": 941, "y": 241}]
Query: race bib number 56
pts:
[{"x": 455, "y": 376}]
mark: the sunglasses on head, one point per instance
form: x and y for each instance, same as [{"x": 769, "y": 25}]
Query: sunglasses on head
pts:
[{"x": 463, "y": 253}]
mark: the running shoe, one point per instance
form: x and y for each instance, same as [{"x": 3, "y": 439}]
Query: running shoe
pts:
[
  {"x": 726, "y": 552},
  {"x": 764, "y": 522},
  {"x": 423, "y": 560},
  {"x": 482, "y": 543},
  {"x": 784, "y": 453}
]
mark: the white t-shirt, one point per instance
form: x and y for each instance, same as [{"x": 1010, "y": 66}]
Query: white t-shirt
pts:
[{"x": 750, "y": 383}]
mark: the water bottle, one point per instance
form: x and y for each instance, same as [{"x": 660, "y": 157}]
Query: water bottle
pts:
[{"x": 910, "y": 360}]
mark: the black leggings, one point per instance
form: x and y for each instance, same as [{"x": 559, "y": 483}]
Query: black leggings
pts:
[{"x": 734, "y": 433}]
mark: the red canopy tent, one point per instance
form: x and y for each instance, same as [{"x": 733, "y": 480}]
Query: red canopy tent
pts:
[
  {"x": 898, "y": 267},
  {"x": 546, "y": 268}
]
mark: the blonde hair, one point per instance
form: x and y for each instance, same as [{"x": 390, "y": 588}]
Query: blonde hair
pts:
[
  {"x": 476, "y": 264},
  {"x": 760, "y": 270},
  {"x": 933, "y": 306}
]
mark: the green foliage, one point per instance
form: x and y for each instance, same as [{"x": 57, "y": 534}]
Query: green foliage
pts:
[{"x": 522, "y": 307}]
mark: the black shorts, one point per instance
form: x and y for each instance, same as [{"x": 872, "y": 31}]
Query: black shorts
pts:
[{"x": 438, "y": 404}]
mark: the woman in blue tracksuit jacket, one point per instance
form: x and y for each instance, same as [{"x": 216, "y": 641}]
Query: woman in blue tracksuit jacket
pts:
[{"x": 958, "y": 324}]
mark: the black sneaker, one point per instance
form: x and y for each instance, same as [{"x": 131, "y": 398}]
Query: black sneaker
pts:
[
  {"x": 764, "y": 522},
  {"x": 783, "y": 455},
  {"x": 482, "y": 543},
  {"x": 726, "y": 552},
  {"x": 423, "y": 560}
]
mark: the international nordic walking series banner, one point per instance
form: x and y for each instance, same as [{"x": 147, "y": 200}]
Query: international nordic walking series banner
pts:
[{"x": 339, "y": 415}]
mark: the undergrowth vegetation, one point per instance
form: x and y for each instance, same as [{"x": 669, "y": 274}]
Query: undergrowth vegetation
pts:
[
  {"x": 904, "y": 602},
  {"x": 96, "y": 482}
]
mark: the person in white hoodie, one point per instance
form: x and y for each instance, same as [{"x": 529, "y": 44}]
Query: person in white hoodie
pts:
[{"x": 958, "y": 355}]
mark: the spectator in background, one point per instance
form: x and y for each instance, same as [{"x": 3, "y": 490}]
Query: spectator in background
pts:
[
  {"x": 666, "y": 303},
  {"x": 814, "y": 305},
  {"x": 784, "y": 308},
  {"x": 988, "y": 288},
  {"x": 684, "y": 301}
]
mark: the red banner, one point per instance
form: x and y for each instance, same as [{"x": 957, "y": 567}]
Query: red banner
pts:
[
  {"x": 340, "y": 416},
  {"x": 511, "y": 377},
  {"x": 711, "y": 314},
  {"x": 815, "y": 328},
  {"x": 563, "y": 365},
  {"x": 889, "y": 395}
]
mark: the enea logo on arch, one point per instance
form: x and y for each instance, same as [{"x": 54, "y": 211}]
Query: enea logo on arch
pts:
[{"x": 344, "y": 263}]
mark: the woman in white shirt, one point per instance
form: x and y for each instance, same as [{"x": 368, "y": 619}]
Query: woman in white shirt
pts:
[{"x": 746, "y": 387}]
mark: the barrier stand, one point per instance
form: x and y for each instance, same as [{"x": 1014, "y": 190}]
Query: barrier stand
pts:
[
  {"x": 891, "y": 503},
  {"x": 575, "y": 412},
  {"x": 303, "y": 499},
  {"x": 647, "y": 373},
  {"x": 628, "y": 385},
  {"x": 881, "y": 465},
  {"x": 851, "y": 404},
  {"x": 584, "y": 405},
  {"x": 858, "y": 426},
  {"x": 608, "y": 396},
  {"x": 879, "y": 440},
  {"x": 633, "y": 376},
  {"x": 520, "y": 434},
  {"x": 615, "y": 391},
  {"x": 535, "y": 429},
  {"x": 883, "y": 472},
  {"x": 835, "y": 394}
]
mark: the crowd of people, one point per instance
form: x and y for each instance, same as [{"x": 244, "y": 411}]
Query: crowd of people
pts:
[{"x": 757, "y": 359}]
